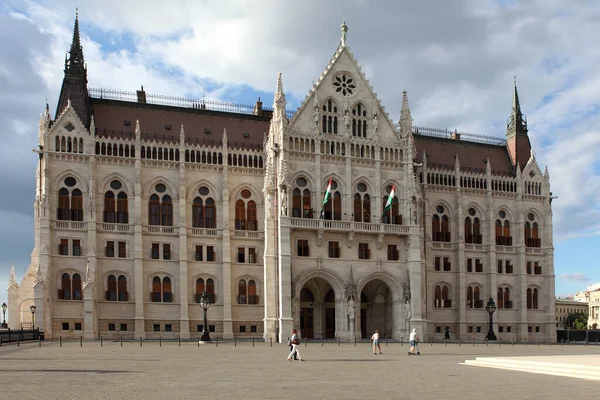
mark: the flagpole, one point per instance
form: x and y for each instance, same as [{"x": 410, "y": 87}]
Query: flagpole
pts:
[
  {"x": 323, "y": 205},
  {"x": 383, "y": 213}
]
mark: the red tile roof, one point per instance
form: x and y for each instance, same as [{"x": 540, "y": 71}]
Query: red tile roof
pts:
[
  {"x": 472, "y": 156},
  {"x": 110, "y": 117}
]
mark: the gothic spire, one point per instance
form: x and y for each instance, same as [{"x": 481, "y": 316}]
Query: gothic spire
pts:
[
  {"x": 517, "y": 123},
  {"x": 405, "y": 118},
  {"x": 279, "y": 93},
  {"x": 75, "y": 64}
]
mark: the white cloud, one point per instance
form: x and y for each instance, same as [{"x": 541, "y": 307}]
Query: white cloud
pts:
[{"x": 574, "y": 277}]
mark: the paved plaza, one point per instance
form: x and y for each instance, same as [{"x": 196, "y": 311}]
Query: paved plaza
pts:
[{"x": 262, "y": 372}]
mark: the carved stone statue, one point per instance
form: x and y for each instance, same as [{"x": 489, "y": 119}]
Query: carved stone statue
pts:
[
  {"x": 408, "y": 311},
  {"x": 284, "y": 202},
  {"x": 351, "y": 308},
  {"x": 346, "y": 116},
  {"x": 375, "y": 119},
  {"x": 316, "y": 115}
]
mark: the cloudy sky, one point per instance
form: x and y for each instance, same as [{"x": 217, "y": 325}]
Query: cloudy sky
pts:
[{"x": 456, "y": 59}]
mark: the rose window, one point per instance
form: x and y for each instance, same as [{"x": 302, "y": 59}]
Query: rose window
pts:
[{"x": 344, "y": 84}]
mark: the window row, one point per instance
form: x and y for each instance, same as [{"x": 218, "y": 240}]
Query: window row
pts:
[
  {"x": 334, "y": 251},
  {"x": 475, "y": 299},
  {"x": 476, "y": 265},
  {"x": 440, "y": 228},
  {"x": 68, "y": 144}
]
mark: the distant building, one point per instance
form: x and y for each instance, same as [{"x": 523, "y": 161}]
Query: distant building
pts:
[
  {"x": 594, "y": 309},
  {"x": 566, "y": 306}
]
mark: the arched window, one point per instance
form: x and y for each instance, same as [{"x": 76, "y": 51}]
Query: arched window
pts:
[
  {"x": 252, "y": 297},
  {"x": 472, "y": 227},
  {"x": 156, "y": 295},
  {"x": 197, "y": 213},
  {"x": 122, "y": 288},
  {"x": 329, "y": 119},
  {"x": 532, "y": 299},
  {"x": 203, "y": 209},
  {"x": 200, "y": 288},
  {"x": 242, "y": 292},
  {"x": 535, "y": 299},
  {"x": 503, "y": 236},
  {"x": 245, "y": 212},
  {"x": 76, "y": 205},
  {"x": 440, "y": 225},
  {"x": 437, "y": 297},
  {"x": 333, "y": 208},
  {"x": 503, "y": 300},
  {"x": 77, "y": 287},
  {"x": 532, "y": 235},
  {"x": 111, "y": 286},
  {"x": 122, "y": 208},
  {"x": 469, "y": 297},
  {"x": 362, "y": 204},
  {"x": 477, "y": 298},
  {"x": 64, "y": 293},
  {"x": 301, "y": 200},
  {"x": 442, "y": 297},
  {"x": 359, "y": 120},
  {"x": 166, "y": 211},
  {"x": 167, "y": 295},
  {"x": 63, "y": 212},
  {"x": 154, "y": 210},
  {"x": 210, "y": 290},
  {"x": 109, "y": 207}
]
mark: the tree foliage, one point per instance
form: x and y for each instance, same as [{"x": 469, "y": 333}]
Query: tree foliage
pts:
[{"x": 577, "y": 321}]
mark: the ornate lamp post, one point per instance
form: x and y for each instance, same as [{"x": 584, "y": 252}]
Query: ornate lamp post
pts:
[
  {"x": 205, "y": 304},
  {"x": 32, "y": 308},
  {"x": 4, "y": 324},
  {"x": 491, "y": 308}
]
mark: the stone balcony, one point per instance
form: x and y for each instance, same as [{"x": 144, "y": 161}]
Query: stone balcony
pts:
[
  {"x": 118, "y": 228},
  {"x": 349, "y": 226},
  {"x": 70, "y": 225}
]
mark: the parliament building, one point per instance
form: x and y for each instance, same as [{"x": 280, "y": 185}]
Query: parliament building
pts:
[{"x": 335, "y": 219}]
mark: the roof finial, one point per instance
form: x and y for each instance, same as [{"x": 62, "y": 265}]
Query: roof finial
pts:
[{"x": 344, "y": 29}]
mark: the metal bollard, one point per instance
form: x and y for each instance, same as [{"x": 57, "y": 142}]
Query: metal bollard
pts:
[
  {"x": 60, "y": 341},
  {"x": 499, "y": 342},
  {"x": 39, "y": 341},
  {"x": 252, "y": 341},
  {"x": 18, "y": 342},
  {"x": 586, "y": 342},
  {"x": 473, "y": 341},
  {"x": 596, "y": 342},
  {"x": 386, "y": 341},
  {"x": 100, "y": 341},
  {"x": 513, "y": 341},
  {"x": 305, "y": 342},
  {"x": 486, "y": 342},
  {"x": 339, "y": 342},
  {"x": 179, "y": 340},
  {"x": 198, "y": 342},
  {"x": 217, "y": 341},
  {"x": 401, "y": 342},
  {"x": 538, "y": 342},
  {"x": 121, "y": 341},
  {"x": 234, "y": 342},
  {"x": 459, "y": 342},
  {"x": 354, "y": 341},
  {"x": 321, "y": 341},
  {"x": 271, "y": 340},
  {"x": 445, "y": 342},
  {"x": 160, "y": 341},
  {"x": 563, "y": 343},
  {"x": 140, "y": 341},
  {"x": 80, "y": 341},
  {"x": 0, "y": 341},
  {"x": 573, "y": 341},
  {"x": 431, "y": 340}
]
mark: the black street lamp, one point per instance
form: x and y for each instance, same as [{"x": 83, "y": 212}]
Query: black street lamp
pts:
[
  {"x": 205, "y": 304},
  {"x": 491, "y": 308},
  {"x": 32, "y": 308},
  {"x": 4, "y": 324}
]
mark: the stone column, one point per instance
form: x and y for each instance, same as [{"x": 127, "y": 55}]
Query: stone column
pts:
[
  {"x": 138, "y": 263},
  {"x": 226, "y": 263},
  {"x": 285, "y": 278},
  {"x": 184, "y": 295}
]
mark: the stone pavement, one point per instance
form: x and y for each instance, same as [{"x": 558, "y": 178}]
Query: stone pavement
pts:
[{"x": 262, "y": 372}]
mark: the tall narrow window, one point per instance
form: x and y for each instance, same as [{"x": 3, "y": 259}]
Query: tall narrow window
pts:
[
  {"x": 240, "y": 215},
  {"x": 242, "y": 292},
  {"x": 440, "y": 225},
  {"x": 167, "y": 295},
  {"x": 200, "y": 288},
  {"x": 333, "y": 207},
  {"x": 65, "y": 292},
  {"x": 154, "y": 210},
  {"x": 252, "y": 297},
  {"x": 198, "y": 213},
  {"x": 251, "y": 216},
  {"x": 109, "y": 207},
  {"x": 111, "y": 286},
  {"x": 63, "y": 212},
  {"x": 76, "y": 287},
  {"x": 122, "y": 208},
  {"x": 76, "y": 205},
  {"x": 156, "y": 295},
  {"x": 210, "y": 290},
  {"x": 166, "y": 211},
  {"x": 122, "y": 288}
]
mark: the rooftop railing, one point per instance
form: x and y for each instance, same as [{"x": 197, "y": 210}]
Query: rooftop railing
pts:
[
  {"x": 448, "y": 134},
  {"x": 175, "y": 101}
]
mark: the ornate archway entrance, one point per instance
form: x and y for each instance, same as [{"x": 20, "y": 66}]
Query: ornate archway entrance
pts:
[
  {"x": 317, "y": 309},
  {"x": 376, "y": 310}
]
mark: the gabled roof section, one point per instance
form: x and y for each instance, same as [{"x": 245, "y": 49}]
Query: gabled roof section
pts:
[
  {"x": 69, "y": 114},
  {"x": 343, "y": 60}
]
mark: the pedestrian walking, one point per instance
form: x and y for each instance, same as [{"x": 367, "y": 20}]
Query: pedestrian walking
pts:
[
  {"x": 414, "y": 338},
  {"x": 295, "y": 343},
  {"x": 447, "y": 333},
  {"x": 289, "y": 343},
  {"x": 376, "y": 345}
]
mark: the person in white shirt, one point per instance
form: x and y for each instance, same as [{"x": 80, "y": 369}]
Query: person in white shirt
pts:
[
  {"x": 376, "y": 345},
  {"x": 413, "y": 340},
  {"x": 295, "y": 342}
]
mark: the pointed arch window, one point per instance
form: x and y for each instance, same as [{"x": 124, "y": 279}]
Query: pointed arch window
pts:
[
  {"x": 242, "y": 292},
  {"x": 440, "y": 225},
  {"x": 329, "y": 122},
  {"x": 64, "y": 293},
  {"x": 198, "y": 213},
  {"x": 301, "y": 200},
  {"x": 442, "y": 297},
  {"x": 503, "y": 235},
  {"x": 203, "y": 209},
  {"x": 111, "y": 288},
  {"x": 503, "y": 298},
  {"x": 359, "y": 120},
  {"x": 109, "y": 207},
  {"x": 160, "y": 209},
  {"x": 63, "y": 212},
  {"x": 76, "y": 287},
  {"x": 532, "y": 235},
  {"x": 474, "y": 299},
  {"x": 154, "y": 210},
  {"x": 122, "y": 288},
  {"x": 532, "y": 298},
  {"x": 245, "y": 212},
  {"x": 392, "y": 215},
  {"x": 333, "y": 208},
  {"x": 122, "y": 208}
]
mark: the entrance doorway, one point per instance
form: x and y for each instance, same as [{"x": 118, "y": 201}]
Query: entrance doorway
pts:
[
  {"x": 306, "y": 323},
  {"x": 317, "y": 309},
  {"x": 376, "y": 309}
]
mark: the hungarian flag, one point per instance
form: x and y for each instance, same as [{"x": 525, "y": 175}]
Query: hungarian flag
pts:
[
  {"x": 390, "y": 199},
  {"x": 328, "y": 192}
]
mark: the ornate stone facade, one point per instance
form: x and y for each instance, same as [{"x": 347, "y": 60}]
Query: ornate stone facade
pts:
[{"x": 135, "y": 221}]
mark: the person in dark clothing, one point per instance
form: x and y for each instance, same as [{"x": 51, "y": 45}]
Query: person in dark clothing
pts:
[{"x": 447, "y": 334}]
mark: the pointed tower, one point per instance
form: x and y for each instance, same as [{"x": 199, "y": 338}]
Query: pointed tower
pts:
[
  {"x": 405, "y": 122},
  {"x": 74, "y": 86},
  {"x": 517, "y": 140}
]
